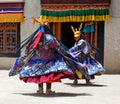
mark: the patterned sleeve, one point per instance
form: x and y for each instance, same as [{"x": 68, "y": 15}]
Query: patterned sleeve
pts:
[
  {"x": 78, "y": 47},
  {"x": 51, "y": 41}
]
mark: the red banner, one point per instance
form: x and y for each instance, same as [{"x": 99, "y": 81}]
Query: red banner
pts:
[{"x": 74, "y": 1}]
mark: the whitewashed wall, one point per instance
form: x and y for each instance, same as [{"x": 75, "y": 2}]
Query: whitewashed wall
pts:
[
  {"x": 112, "y": 39},
  {"x": 32, "y": 9}
]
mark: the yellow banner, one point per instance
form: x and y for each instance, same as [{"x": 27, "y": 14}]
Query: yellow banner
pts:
[{"x": 18, "y": 17}]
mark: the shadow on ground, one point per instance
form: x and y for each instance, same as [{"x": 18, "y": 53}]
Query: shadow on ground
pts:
[
  {"x": 85, "y": 85},
  {"x": 61, "y": 94}
]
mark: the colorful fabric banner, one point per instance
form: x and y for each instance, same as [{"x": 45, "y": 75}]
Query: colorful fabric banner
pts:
[
  {"x": 74, "y": 1},
  {"x": 11, "y": 12},
  {"x": 75, "y": 12}
]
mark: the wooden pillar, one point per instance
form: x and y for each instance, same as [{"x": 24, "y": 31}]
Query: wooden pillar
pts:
[
  {"x": 96, "y": 34},
  {"x": 57, "y": 30}
]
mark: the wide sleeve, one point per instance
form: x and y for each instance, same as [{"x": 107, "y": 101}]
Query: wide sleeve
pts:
[
  {"x": 77, "y": 48},
  {"x": 50, "y": 41}
]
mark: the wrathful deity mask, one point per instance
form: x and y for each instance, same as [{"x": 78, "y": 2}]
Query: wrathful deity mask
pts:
[{"x": 77, "y": 32}]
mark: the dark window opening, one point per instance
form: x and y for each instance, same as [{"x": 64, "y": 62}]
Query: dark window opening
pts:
[
  {"x": 100, "y": 54},
  {"x": 67, "y": 33}
]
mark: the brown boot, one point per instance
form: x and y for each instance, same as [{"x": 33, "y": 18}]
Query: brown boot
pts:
[
  {"x": 75, "y": 82},
  {"x": 88, "y": 82},
  {"x": 40, "y": 89},
  {"x": 48, "y": 89}
]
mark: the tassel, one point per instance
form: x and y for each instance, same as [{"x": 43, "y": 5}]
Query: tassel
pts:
[{"x": 79, "y": 74}]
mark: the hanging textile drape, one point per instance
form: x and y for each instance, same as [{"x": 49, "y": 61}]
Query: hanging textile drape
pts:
[
  {"x": 12, "y": 12},
  {"x": 63, "y": 11},
  {"x": 75, "y": 1}
]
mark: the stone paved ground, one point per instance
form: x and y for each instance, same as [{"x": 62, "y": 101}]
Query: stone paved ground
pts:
[{"x": 105, "y": 90}]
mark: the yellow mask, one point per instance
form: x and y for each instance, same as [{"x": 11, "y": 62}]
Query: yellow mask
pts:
[{"x": 77, "y": 32}]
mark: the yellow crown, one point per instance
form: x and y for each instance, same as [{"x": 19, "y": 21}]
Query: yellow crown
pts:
[
  {"x": 35, "y": 20},
  {"x": 77, "y": 32}
]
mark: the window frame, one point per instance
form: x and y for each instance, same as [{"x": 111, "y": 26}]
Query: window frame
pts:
[{"x": 12, "y": 54}]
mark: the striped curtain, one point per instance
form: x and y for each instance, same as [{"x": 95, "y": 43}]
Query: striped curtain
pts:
[
  {"x": 74, "y": 12},
  {"x": 11, "y": 12}
]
